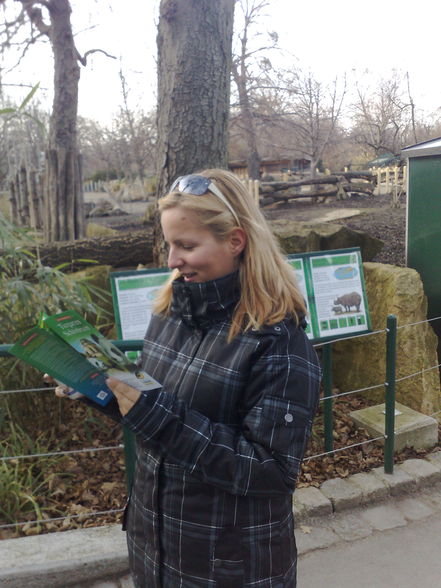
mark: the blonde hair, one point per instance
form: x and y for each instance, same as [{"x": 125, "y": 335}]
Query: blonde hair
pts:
[{"x": 269, "y": 290}]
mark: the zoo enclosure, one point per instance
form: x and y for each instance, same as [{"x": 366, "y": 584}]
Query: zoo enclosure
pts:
[{"x": 327, "y": 400}]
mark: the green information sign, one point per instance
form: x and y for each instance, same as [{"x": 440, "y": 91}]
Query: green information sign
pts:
[{"x": 332, "y": 284}]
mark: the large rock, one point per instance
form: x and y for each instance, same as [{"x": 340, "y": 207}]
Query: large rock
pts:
[
  {"x": 360, "y": 362},
  {"x": 299, "y": 237},
  {"x": 96, "y": 230}
]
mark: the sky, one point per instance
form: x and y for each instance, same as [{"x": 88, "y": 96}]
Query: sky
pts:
[{"x": 329, "y": 38}]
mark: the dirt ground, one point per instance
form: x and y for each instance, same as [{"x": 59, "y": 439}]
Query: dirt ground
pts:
[
  {"x": 374, "y": 215},
  {"x": 99, "y": 478}
]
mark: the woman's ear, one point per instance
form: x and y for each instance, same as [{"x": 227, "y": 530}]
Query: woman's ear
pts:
[{"x": 237, "y": 240}]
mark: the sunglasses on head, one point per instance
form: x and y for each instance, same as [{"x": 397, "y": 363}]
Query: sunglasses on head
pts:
[{"x": 199, "y": 185}]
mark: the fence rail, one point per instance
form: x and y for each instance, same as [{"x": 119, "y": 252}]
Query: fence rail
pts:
[{"x": 328, "y": 400}]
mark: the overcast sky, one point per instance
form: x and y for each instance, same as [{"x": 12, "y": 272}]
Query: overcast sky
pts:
[{"x": 330, "y": 38}]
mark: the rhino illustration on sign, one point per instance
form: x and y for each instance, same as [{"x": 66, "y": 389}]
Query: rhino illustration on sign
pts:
[{"x": 349, "y": 300}]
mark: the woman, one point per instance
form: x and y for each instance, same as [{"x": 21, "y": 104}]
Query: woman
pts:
[{"x": 219, "y": 446}]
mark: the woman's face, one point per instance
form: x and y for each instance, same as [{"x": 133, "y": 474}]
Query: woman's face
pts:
[{"x": 194, "y": 250}]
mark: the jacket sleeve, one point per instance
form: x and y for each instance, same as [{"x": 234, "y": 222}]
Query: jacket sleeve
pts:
[{"x": 262, "y": 457}]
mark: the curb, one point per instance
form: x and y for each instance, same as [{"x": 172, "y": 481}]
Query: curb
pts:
[
  {"x": 340, "y": 494},
  {"x": 97, "y": 554}
]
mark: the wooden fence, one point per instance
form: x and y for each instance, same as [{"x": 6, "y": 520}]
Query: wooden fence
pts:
[
  {"x": 391, "y": 180},
  {"x": 376, "y": 181}
]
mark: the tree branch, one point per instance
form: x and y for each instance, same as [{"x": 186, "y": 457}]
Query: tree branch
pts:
[{"x": 83, "y": 59}]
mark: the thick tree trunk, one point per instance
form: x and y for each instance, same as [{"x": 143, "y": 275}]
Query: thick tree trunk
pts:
[
  {"x": 194, "y": 62},
  {"x": 64, "y": 213},
  {"x": 64, "y": 217}
]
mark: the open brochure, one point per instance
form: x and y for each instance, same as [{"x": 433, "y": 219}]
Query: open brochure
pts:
[{"x": 75, "y": 353}]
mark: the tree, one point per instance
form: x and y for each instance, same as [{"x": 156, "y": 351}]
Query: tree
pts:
[
  {"x": 194, "y": 64},
  {"x": 384, "y": 116},
  {"x": 64, "y": 217},
  {"x": 247, "y": 73},
  {"x": 316, "y": 112}
]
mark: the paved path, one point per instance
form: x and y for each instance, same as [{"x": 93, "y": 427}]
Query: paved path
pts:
[
  {"x": 370, "y": 530},
  {"x": 405, "y": 556}
]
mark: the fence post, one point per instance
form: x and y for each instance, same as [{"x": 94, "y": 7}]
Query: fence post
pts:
[
  {"x": 387, "y": 180},
  {"x": 328, "y": 402},
  {"x": 389, "y": 422}
]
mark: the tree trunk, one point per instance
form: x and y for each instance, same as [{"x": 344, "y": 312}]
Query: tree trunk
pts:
[
  {"x": 125, "y": 251},
  {"x": 35, "y": 199},
  {"x": 194, "y": 62},
  {"x": 64, "y": 217},
  {"x": 13, "y": 202}
]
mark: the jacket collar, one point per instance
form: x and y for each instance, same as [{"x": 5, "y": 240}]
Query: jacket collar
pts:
[{"x": 200, "y": 304}]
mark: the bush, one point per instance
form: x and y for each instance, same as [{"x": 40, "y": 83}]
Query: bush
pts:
[
  {"x": 28, "y": 288},
  {"x": 23, "y": 481},
  {"x": 104, "y": 175}
]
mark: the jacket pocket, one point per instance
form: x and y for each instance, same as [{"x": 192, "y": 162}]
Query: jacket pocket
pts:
[
  {"x": 228, "y": 573},
  {"x": 227, "y": 563}
]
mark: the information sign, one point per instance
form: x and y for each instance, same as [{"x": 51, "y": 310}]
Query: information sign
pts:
[
  {"x": 331, "y": 283},
  {"x": 335, "y": 292}
]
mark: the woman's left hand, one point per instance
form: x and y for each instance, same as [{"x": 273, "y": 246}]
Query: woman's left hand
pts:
[{"x": 125, "y": 395}]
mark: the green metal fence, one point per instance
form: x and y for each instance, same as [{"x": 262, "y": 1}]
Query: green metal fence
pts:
[{"x": 328, "y": 398}]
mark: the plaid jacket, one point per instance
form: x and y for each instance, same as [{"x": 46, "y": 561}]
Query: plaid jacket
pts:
[{"x": 219, "y": 446}]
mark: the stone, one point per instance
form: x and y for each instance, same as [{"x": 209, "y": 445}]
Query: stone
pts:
[
  {"x": 350, "y": 527},
  {"x": 126, "y": 582},
  {"x": 398, "y": 483},
  {"x": 412, "y": 429},
  {"x": 310, "y": 502},
  {"x": 341, "y": 493},
  {"x": 96, "y": 230},
  {"x": 360, "y": 363},
  {"x": 434, "y": 458},
  {"x": 372, "y": 488},
  {"x": 422, "y": 471},
  {"x": 299, "y": 237},
  {"x": 383, "y": 517},
  {"x": 315, "y": 538},
  {"x": 413, "y": 509}
]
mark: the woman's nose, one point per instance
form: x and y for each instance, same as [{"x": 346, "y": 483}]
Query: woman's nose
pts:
[{"x": 174, "y": 261}]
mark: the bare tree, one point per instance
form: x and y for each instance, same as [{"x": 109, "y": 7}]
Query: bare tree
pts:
[
  {"x": 316, "y": 111},
  {"x": 194, "y": 64},
  {"x": 248, "y": 72},
  {"x": 50, "y": 19},
  {"x": 383, "y": 116}
]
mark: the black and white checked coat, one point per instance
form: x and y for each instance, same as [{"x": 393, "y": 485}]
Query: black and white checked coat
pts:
[{"x": 219, "y": 446}]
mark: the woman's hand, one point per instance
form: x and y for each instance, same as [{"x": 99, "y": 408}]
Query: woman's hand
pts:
[
  {"x": 125, "y": 395},
  {"x": 61, "y": 390}
]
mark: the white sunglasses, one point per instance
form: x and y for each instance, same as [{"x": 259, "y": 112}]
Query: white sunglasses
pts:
[{"x": 199, "y": 185}]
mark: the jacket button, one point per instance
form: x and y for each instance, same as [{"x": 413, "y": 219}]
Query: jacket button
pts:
[
  {"x": 289, "y": 418},
  {"x": 277, "y": 329}
]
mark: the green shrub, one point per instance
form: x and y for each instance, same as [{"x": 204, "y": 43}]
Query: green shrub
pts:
[
  {"x": 23, "y": 481},
  {"x": 27, "y": 288}
]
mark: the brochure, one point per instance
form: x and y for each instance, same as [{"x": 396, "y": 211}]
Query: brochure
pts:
[{"x": 75, "y": 353}]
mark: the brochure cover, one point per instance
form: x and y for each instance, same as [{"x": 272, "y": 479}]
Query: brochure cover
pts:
[{"x": 75, "y": 353}]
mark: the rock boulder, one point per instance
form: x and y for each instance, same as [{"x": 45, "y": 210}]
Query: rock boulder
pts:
[
  {"x": 299, "y": 237},
  {"x": 360, "y": 362}
]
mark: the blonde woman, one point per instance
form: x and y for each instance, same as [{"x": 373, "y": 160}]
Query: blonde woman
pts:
[{"x": 219, "y": 446}]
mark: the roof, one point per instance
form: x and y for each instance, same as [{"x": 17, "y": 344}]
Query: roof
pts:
[
  {"x": 431, "y": 147},
  {"x": 384, "y": 160}
]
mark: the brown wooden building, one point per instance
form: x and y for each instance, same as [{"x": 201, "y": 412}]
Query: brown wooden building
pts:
[{"x": 272, "y": 166}]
